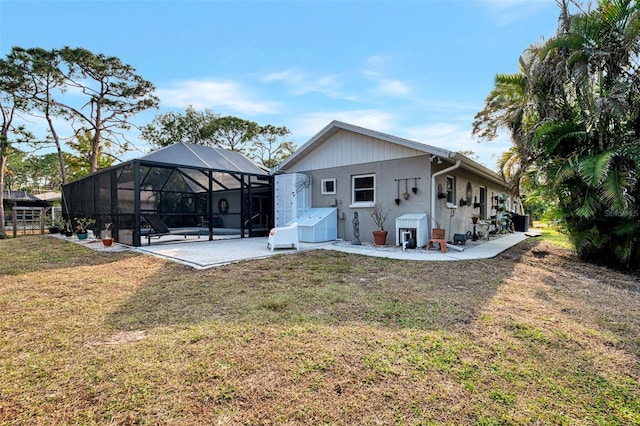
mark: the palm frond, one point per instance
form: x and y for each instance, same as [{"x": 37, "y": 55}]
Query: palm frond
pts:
[{"x": 594, "y": 169}]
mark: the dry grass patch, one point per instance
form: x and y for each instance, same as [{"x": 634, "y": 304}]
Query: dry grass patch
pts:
[{"x": 533, "y": 336}]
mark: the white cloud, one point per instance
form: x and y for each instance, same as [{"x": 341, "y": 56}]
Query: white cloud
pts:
[
  {"x": 310, "y": 124},
  {"x": 506, "y": 12},
  {"x": 215, "y": 95},
  {"x": 393, "y": 88},
  {"x": 299, "y": 82},
  {"x": 457, "y": 138}
]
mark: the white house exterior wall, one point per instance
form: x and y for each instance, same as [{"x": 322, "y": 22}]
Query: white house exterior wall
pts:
[{"x": 347, "y": 148}]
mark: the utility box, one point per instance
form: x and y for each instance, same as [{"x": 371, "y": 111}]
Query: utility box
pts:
[{"x": 417, "y": 223}]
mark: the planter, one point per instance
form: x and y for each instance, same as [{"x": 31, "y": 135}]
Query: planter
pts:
[
  {"x": 437, "y": 233},
  {"x": 82, "y": 235},
  {"x": 107, "y": 242},
  {"x": 68, "y": 233},
  {"x": 398, "y": 201},
  {"x": 380, "y": 238},
  {"x": 474, "y": 220},
  {"x": 53, "y": 230}
]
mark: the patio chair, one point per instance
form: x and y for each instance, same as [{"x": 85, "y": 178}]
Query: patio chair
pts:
[
  {"x": 159, "y": 228},
  {"x": 286, "y": 236}
]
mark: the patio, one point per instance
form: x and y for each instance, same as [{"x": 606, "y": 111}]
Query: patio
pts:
[{"x": 204, "y": 254}]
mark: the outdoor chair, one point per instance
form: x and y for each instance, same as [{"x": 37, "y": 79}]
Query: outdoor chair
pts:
[
  {"x": 286, "y": 236},
  {"x": 159, "y": 228}
]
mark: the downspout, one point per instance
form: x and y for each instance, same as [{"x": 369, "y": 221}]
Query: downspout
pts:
[{"x": 434, "y": 195}]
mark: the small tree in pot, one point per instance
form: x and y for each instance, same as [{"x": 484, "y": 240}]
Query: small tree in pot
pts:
[{"x": 379, "y": 215}]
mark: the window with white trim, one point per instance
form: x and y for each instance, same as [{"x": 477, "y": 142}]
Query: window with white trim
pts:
[
  {"x": 363, "y": 190},
  {"x": 451, "y": 190},
  {"x": 328, "y": 186}
]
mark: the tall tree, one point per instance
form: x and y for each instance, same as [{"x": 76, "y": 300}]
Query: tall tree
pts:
[
  {"x": 11, "y": 82},
  {"x": 41, "y": 71},
  {"x": 114, "y": 92}
]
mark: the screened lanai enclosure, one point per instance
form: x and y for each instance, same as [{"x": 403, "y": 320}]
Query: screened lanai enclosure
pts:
[{"x": 190, "y": 188}]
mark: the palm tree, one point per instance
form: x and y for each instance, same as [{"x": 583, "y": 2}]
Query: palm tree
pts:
[{"x": 574, "y": 117}]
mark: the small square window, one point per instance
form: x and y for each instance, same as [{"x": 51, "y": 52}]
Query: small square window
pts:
[{"x": 328, "y": 186}]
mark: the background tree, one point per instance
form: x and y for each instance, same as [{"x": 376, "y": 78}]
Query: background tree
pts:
[
  {"x": 231, "y": 133},
  {"x": 266, "y": 145},
  {"x": 269, "y": 147},
  {"x": 80, "y": 165},
  {"x": 114, "y": 94},
  {"x": 171, "y": 127}
]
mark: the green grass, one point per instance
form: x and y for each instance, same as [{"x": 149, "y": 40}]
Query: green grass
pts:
[
  {"x": 315, "y": 338},
  {"x": 555, "y": 236}
]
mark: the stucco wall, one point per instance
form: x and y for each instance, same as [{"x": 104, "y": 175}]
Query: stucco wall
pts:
[
  {"x": 386, "y": 173},
  {"x": 461, "y": 222},
  {"x": 416, "y": 171}
]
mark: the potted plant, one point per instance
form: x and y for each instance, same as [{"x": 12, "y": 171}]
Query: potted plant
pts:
[
  {"x": 66, "y": 228},
  {"x": 82, "y": 226},
  {"x": 475, "y": 218},
  {"x": 379, "y": 215},
  {"x": 437, "y": 233},
  {"x": 52, "y": 225},
  {"x": 105, "y": 235}
]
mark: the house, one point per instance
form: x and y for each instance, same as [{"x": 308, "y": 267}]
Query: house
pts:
[{"x": 351, "y": 168}]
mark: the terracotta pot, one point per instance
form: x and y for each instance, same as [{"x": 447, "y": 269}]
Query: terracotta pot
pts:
[
  {"x": 437, "y": 233},
  {"x": 108, "y": 242},
  {"x": 474, "y": 220},
  {"x": 380, "y": 238}
]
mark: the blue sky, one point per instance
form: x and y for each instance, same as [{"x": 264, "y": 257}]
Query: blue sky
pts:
[{"x": 414, "y": 69}]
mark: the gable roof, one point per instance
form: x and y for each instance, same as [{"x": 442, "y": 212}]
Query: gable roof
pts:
[
  {"x": 335, "y": 126},
  {"x": 205, "y": 157}
]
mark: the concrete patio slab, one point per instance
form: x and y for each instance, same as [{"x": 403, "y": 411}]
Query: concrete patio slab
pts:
[{"x": 204, "y": 254}]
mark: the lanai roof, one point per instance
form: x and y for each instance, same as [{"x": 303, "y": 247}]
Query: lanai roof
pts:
[{"x": 204, "y": 157}]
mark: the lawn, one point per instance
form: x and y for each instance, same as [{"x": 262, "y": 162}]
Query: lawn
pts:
[{"x": 531, "y": 337}]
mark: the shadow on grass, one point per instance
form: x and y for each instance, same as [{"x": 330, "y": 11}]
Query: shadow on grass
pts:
[{"x": 321, "y": 287}]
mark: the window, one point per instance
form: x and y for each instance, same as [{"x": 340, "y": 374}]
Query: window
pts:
[
  {"x": 363, "y": 190},
  {"x": 451, "y": 190},
  {"x": 328, "y": 186}
]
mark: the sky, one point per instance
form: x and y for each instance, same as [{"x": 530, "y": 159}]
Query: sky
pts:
[{"x": 418, "y": 69}]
